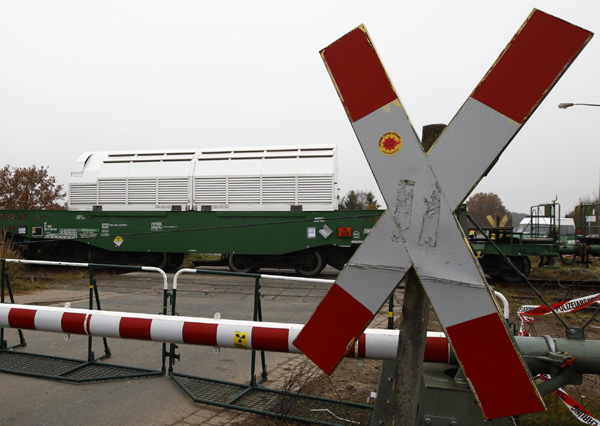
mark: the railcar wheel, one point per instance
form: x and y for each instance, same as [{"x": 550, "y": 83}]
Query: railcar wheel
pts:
[
  {"x": 236, "y": 264},
  {"x": 314, "y": 266},
  {"x": 157, "y": 260},
  {"x": 175, "y": 260},
  {"x": 523, "y": 265}
]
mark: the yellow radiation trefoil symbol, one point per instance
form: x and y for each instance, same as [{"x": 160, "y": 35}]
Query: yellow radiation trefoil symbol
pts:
[{"x": 240, "y": 339}]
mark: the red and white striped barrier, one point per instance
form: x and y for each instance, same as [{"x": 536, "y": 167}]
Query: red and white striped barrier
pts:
[{"x": 262, "y": 336}]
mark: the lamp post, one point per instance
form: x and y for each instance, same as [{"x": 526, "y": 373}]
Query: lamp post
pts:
[{"x": 568, "y": 105}]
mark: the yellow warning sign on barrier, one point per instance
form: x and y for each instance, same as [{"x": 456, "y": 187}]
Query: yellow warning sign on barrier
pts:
[{"x": 240, "y": 339}]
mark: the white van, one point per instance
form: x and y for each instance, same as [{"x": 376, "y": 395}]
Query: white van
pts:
[{"x": 536, "y": 227}]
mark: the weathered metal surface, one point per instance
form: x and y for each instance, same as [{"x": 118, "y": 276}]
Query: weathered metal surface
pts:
[{"x": 420, "y": 229}]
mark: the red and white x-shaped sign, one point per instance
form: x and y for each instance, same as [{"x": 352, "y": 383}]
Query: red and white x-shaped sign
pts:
[{"x": 422, "y": 191}]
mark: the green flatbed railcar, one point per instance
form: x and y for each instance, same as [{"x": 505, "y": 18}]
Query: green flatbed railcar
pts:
[
  {"x": 305, "y": 241},
  {"x": 246, "y": 241}
]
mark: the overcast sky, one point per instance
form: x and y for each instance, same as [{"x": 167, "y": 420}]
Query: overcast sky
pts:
[{"x": 79, "y": 76}]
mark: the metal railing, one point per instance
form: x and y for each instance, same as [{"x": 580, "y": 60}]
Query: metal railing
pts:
[
  {"x": 250, "y": 396},
  {"x": 69, "y": 369},
  {"x": 265, "y": 401}
]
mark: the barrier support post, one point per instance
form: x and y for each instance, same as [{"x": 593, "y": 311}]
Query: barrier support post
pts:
[
  {"x": 2, "y": 341},
  {"x": 257, "y": 316},
  {"x": 6, "y": 286},
  {"x": 165, "y": 353},
  {"x": 62, "y": 368},
  {"x": 390, "y": 324},
  {"x": 172, "y": 347},
  {"x": 94, "y": 294}
]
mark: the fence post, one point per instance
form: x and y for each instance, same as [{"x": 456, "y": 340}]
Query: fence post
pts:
[{"x": 2, "y": 341}]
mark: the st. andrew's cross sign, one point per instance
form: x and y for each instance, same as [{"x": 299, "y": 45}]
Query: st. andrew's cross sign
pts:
[{"x": 422, "y": 191}]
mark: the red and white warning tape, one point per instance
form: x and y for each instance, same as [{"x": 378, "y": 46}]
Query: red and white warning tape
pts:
[
  {"x": 583, "y": 415},
  {"x": 529, "y": 313}
]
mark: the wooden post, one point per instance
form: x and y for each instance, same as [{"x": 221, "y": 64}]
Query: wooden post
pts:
[
  {"x": 413, "y": 331},
  {"x": 411, "y": 349}
]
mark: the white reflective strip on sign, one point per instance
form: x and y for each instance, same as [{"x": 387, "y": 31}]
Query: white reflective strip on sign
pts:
[
  {"x": 472, "y": 141},
  {"x": 293, "y": 333},
  {"x": 456, "y": 302},
  {"x": 374, "y": 272}
]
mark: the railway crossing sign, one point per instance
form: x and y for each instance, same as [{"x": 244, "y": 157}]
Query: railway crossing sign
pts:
[{"x": 422, "y": 191}]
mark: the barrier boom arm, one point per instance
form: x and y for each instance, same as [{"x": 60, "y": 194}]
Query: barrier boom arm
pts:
[{"x": 422, "y": 192}]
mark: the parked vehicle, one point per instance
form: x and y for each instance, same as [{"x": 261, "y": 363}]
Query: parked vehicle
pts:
[{"x": 546, "y": 228}]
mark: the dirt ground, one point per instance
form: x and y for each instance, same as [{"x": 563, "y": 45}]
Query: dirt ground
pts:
[{"x": 354, "y": 381}]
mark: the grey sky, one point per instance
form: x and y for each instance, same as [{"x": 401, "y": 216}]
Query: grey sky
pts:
[{"x": 112, "y": 75}]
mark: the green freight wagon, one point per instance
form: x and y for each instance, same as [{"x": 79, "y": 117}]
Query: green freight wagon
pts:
[
  {"x": 257, "y": 206},
  {"x": 305, "y": 241}
]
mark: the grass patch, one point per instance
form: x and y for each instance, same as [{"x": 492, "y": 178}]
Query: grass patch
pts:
[
  {"x": 191, "y": 257},
  {"x": 20, "y": 276},
  {"x": 559, "y": 267},
  {"x": 556, "y": 412}
]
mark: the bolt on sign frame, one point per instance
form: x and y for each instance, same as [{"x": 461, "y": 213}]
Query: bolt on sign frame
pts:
[{"x": 423, "y": 189}]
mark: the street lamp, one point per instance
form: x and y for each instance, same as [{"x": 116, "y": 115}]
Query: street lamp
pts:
[{"x": 568, "y": 105}]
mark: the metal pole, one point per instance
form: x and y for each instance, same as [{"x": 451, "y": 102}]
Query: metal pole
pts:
[
  {"x": 2, "y": 342},
  {"x": 263, "y": 359},
  {"x": 390, "y": 325},
  {"x": 165, "y": 312},
  {"x": 91, "y": 307},
  {"x": 99, "y": 307},
  {"x": 254, "y": 318}
]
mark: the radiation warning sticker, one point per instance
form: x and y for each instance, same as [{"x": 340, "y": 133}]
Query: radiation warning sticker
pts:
[
  {"x": 240, "y": 340},
  {"x": 390, "y": 143},
  {"x": 118, "y": 241}
]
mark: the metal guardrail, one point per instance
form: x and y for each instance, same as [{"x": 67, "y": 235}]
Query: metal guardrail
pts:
[
  {"x": 250, "y": 397},
  {"x": 254, "y": 397},
  {"x": 68, "y": 369}
]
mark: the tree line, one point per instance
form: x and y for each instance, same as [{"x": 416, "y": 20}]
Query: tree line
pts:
[{"x": 358, "y": 200}]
